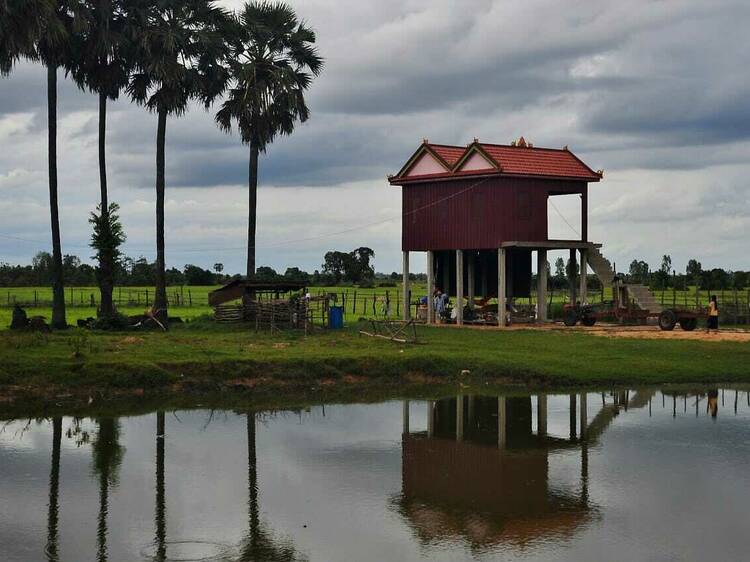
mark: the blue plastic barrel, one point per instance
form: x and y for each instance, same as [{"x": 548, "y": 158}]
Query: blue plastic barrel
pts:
[{"x": 336, "y": 317}]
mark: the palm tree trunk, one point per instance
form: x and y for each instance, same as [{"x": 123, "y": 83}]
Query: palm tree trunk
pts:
[
  {"x": 106, "y": 265},
  {"x": 101, "y": 530},
  {"x": 160, "y": 297},
  {"x": 58, "y": 287},
  {"x": 252, "y": 481},
  {"x": 54, "y": 492},
  {"x": 252, "y": 207},
  {"x": 161, "y": 511}
]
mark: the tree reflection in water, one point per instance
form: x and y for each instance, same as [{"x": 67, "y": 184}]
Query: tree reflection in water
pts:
[
  {"x": 259, "y": 544},
  {"x": 107, "y": 458},
  {"x": 53, "y": 508}
]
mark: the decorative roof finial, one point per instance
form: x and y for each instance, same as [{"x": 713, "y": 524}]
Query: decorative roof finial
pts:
[
  {"x": 521, "y": 142},
  {"x": 476, "y": 140},
  {"x": 425, "y": 141},
  {"x": 600, "y": 173}
]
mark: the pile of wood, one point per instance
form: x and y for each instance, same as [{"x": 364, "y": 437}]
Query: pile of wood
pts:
[{"x": 277, "y": 314}]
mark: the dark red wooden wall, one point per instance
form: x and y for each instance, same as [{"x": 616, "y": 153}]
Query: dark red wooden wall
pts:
[{"x": 478, "y": 213}]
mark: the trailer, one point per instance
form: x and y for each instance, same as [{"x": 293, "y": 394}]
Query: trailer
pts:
[{"x": 624, "y": 308}]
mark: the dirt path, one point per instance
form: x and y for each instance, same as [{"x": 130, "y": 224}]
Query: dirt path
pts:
[{"x": 618, "y": 331}]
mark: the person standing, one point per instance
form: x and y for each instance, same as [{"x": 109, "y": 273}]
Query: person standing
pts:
[{"x": 713, "y": 315}]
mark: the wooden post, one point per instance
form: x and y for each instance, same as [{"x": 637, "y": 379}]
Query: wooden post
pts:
[
  {"x": 430, "y": 287},
  {"x": 405, "y": 285},
  {"x": 541, "y": 286},
  {"x": 354, "y": 303},
  {"x": 583, "y": 291},
  {"x": 146, "y": 297},
  {"x": 501, "y": 266},
  {"x": 459, "y": 287}
]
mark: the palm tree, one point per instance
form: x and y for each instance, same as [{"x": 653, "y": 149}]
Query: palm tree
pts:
[
  {"x": 179, "y": 51},
  {"x": 107, "y": 457},
  {"x": 272, "y": 62},
  {"x": 100, "y": 64},
  {"x": 40, "y": 30}
]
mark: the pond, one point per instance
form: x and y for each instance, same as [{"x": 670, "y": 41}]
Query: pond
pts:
[{"x": 626, "y": 475}]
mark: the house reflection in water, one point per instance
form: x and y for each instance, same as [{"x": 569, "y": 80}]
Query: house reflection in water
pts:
[{"x": 481, "y": 474}]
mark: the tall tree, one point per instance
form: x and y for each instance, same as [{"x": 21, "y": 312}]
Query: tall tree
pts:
[
  {"x": 40, "y": 30},
  {"x": 100, "y": 64},
  {"x": 272, "y": 63},
  {"x": 179, "y": 49}
]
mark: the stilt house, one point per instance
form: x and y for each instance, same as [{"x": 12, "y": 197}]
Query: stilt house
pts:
[{"x": 480, "y": 213}]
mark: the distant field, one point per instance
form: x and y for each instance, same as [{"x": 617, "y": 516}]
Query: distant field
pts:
[{"x": 192, "y": 302}]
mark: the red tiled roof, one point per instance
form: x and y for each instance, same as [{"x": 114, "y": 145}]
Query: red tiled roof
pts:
[
  {"x": 451, "y": 154},
  {"x": 520, "y": 160}
]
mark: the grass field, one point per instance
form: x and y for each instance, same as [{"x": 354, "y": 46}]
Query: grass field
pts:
[
  {"x": 202, "y": 355},
  {"x": 192, "y": 302}
]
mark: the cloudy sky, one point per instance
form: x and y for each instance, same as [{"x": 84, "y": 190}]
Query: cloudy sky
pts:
[{"x": 656, "y": 93}]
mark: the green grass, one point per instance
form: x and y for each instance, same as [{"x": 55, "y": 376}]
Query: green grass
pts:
[{"x": 201, "y": 356}]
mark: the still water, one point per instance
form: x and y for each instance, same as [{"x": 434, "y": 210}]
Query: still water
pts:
[{"x": 637, "y": 475}]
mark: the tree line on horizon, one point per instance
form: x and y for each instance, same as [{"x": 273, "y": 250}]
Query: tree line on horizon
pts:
[
  {"x": 164, "y": 55},
  {"x": 353, "y": 268}
]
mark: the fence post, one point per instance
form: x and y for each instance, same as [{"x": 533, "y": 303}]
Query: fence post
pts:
[
  {"x": 354, "y": 304},
  {"x": 190, "y": 297},
  {"x": 147, "y": 298}
]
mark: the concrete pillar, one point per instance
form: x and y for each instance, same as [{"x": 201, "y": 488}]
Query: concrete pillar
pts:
[
  {"x": 501, "y": 289},
  {"x": 501, "y": 435},
  {"x": 406, "y": 309},
  {"x": 541, "y": 414},
  {"x": 405, "y": 417},
  {"x": 572, "y": 416},
  {"x": 583, "y": 414},
  {"x": 459, "y": 287},
  {"x": 430, "y": 418},
  {"x": 572, "y": 277},
  {"x": 541, "y": 285},
  {"x": 583, "y": 291},
  {"x": 470, "y": 276},
  {"x": 460, "y": 417},
  {"x": 430, "y": 287}
]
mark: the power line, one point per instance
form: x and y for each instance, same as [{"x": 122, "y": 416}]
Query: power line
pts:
[{"x": 563, "y": 218}]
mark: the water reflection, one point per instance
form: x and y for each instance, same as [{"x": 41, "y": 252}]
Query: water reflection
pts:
[
  {"x": 54, "y": 492},
  {"x": 481, "y": 474},
  {"x": 259, "y": 544},
  {"x": 474, "y": 475}
]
